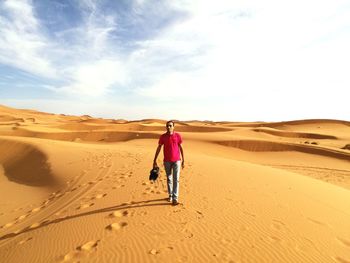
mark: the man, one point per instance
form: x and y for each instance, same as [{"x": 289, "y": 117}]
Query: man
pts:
[{"x": 172, "y": 148}]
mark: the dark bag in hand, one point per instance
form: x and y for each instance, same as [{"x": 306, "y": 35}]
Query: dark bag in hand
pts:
[{"x": 153, "y": 175}]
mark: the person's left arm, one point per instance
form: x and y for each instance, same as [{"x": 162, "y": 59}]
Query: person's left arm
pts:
[
  {"x": 183, "y": 156},
  {"x": 181, "y": 150}
]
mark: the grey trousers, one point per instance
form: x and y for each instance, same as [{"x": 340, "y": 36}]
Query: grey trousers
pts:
[{"x": 172, "y": 170}]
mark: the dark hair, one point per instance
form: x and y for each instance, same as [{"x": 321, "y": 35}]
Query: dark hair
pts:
[{"x": 171, "y": 122}]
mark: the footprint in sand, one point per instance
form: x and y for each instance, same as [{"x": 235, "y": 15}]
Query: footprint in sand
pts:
[
  {"x": 80, "y": 251},
  {"x": 119, "y": 185},
  {"x": 17, "y": 231},
  {"x": 58, "y": 195},
  {"x": 24, "y": 240},
  {"x": 116, "y": 214},
  {"x": 37, "y": 209},
  {"x": 8, "y": 225},
  {"x": 187, "y": 233},
  {"x": 142, "y": 213},
  {"x": 73, "y": 189},
  {"x": 154, "y": 251},
  {"x": 199, "y": 214},
  {"x": 22, "y": 217},
  {"x": 61, "y": 212},
  {"x": 83, "y": 206},
  {"x": 37, "y": 224},
  {"x": 116, "y": 226},
  {"x": 278, "y": 225},
  {"x": 88, "y": 246},
  {"x": 99, "y": 196},
  {"x": 45, "y": 202}
]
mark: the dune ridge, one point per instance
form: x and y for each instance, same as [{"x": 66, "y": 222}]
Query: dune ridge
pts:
[
  {"x": 296, "y": 134},
  {"x": 270, "y": 146}
]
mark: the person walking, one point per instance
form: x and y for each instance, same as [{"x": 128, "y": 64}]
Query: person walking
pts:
[{"x": 172, "y": 147}]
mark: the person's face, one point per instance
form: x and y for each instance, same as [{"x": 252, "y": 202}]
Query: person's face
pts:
[{"x": 170, "y": 127}]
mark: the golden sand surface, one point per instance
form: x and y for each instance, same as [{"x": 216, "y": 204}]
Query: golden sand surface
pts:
[{"x": 76, "y": 189}]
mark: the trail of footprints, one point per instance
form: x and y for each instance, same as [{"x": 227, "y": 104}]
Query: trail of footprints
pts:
[
  {"x": 117, "y": 224},
  {"x": 81, "y": 251},
  {"x": 52, "y": 197},
  {"x": 118, "y": 179},
  {"x": 91, "y": 246},
  {"x": 72, "y": 186},
  {"x": 153, "y": 188}
]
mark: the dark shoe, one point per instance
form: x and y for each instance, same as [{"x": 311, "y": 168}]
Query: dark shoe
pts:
[{"x": 175, "y": 202}]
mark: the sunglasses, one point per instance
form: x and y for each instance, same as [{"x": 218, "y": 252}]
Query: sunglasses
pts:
[{"x": 169, "y": 125}]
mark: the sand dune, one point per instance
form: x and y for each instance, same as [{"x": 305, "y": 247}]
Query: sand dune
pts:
[
  {"x": 24, "y": 163},
  {"x": 269, "y": 146},
  {"x": 4, "y": 118},
  {"x": 298, "y": 124},
  {"x": 294, "y": 134},
  {"x": 318, "y": 122},
  {"x": 76, "y": 189},
  {"x": 81, "y": 126}
]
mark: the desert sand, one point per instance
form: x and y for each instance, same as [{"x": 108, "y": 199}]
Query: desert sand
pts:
[{"x": 76, "y": 189}]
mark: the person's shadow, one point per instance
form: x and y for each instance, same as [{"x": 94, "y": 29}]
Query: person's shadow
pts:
[{"x": 153, "y": 202}]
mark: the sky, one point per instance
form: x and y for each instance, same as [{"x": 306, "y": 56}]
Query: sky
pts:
[{"x": 222, "y": 60}]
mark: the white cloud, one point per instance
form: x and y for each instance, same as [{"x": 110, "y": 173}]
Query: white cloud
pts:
[
  {"x": 86, "y": 62},
  {"x": 264, "y": 50},
  {"x": 94, "y": 79},
  {"x": 21, "y": 43}
]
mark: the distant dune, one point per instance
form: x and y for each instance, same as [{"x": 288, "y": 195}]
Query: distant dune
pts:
[{"x": 76, "y": 189}]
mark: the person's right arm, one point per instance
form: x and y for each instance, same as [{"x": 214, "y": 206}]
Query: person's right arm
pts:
[{"x": 156, "y": 156}]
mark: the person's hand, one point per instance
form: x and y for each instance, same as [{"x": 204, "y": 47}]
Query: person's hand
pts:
[
  {"x": 155, "y": 164},
  {"x": 183, "y": 164}
]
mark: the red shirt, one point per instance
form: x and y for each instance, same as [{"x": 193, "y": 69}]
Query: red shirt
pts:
[{"x": 171, "y": 146}]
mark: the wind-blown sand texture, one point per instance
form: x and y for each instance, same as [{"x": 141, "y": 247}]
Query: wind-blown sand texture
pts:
[{"x": 76, "y": 189}]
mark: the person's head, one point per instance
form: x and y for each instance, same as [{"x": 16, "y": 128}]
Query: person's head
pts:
[{"x": 170, "y": 126}]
